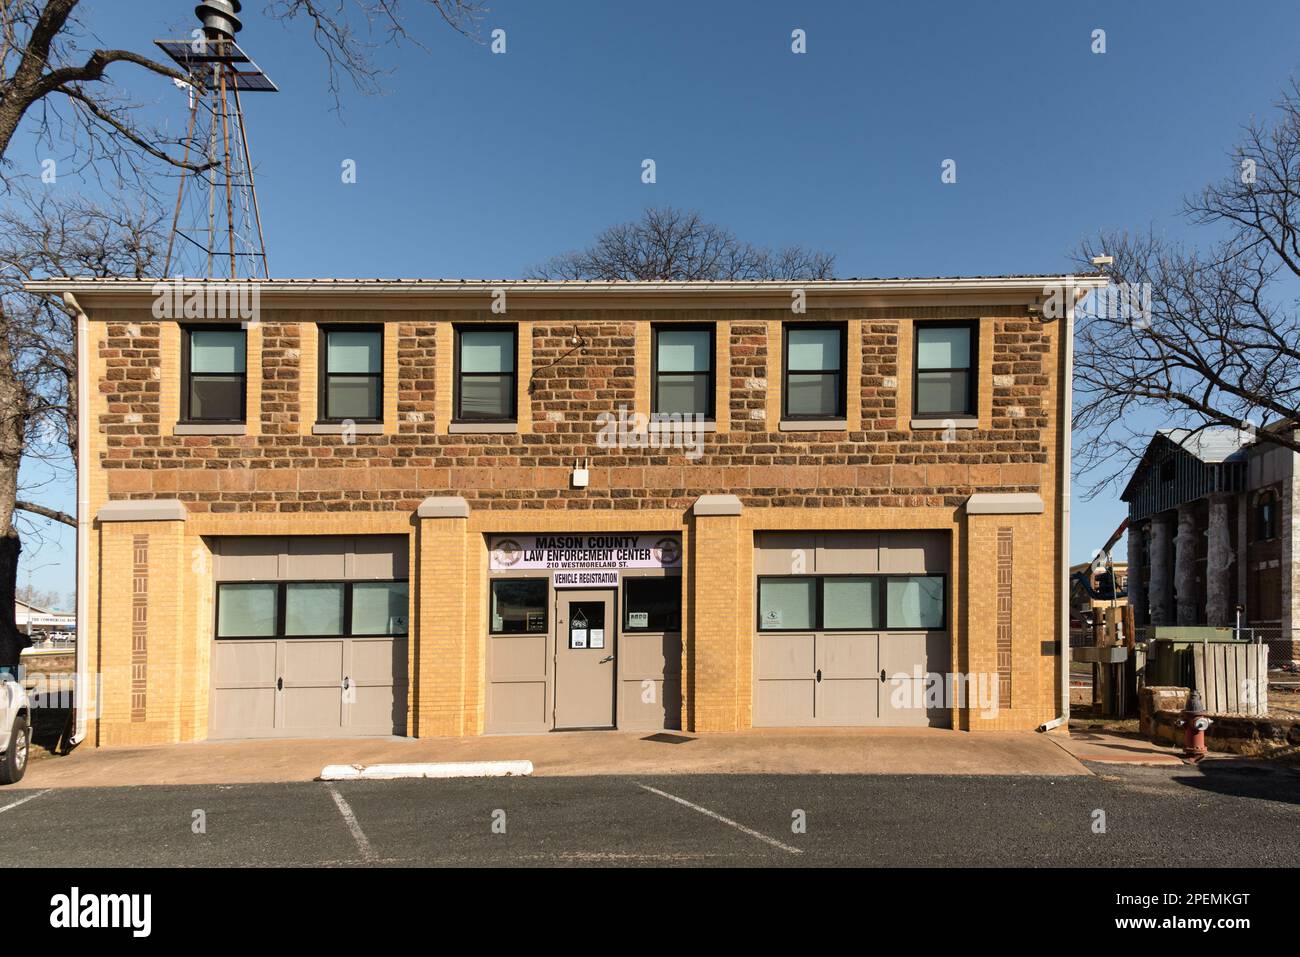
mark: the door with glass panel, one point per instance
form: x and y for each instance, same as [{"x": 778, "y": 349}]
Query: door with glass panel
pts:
[
  {"x": 849, "y": 650},
  {"x": 848, "y": 677},
  {"x": 585, "y": 662},
  {"x": 914, "y": 653},
  {"x": 816, "y": 658},
  {"x": 309, "y": 658}
]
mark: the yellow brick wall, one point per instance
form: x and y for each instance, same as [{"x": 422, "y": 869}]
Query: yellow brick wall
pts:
[
  {"x": 719, "y": 626},
  {"x": 439, "y": 651},
  {"x": 169, "y": 376},
  {"x": 448, "y": 571},
  {"x": 308, "y": 344},
  {"x": 169, "y": 685},
  {"x": 442, "y": 400},
  {"x": 253, "y": 379},
  {"x": 389, "y": 411},
  {"x": 1032, "y": 698}
]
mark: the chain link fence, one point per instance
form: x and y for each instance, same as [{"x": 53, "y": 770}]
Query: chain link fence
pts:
[{"x": 1283, "y": 645}]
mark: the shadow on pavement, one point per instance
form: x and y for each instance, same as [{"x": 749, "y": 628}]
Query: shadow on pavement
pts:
[{"x": 1246, "y": 779}]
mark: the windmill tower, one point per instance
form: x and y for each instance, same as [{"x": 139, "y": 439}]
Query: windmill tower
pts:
[{"x": 217, "y": 227}]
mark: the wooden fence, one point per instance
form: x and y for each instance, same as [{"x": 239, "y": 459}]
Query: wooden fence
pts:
[{"x": 1232, "y": 678}]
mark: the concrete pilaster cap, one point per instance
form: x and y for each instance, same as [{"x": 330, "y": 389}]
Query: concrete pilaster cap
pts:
[
  {"x": 1004, "y": 503},
  {"x": 717, "y": 505},
  {"x": 443, "y": 506},
  {"x": 151, "y": 510}
]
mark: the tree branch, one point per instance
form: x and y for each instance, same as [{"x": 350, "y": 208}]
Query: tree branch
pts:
[{"x": 44, "y": 512}]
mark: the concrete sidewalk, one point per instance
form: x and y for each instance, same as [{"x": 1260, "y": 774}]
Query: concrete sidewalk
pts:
[
  {"x": 1109, "y": 747},
  {"x": 830, "y": 751}
]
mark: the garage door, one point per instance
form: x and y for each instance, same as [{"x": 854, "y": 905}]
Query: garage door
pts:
[
  {"x": 849, "y": 629},
  {"x": 310, "y": 637}
]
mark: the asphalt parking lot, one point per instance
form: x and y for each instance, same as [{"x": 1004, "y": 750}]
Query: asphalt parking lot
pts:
[{"x": 1227, "y": 815}]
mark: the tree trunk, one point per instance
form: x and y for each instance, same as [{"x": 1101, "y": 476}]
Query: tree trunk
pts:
[
  {"x": 12, "y": 642},
  {"x": 13, "y": 403}
]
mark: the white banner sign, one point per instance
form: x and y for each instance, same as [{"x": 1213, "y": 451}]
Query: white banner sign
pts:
[
  {"x": 577, "y": 552},
  {"x": 601, "y": 579}
]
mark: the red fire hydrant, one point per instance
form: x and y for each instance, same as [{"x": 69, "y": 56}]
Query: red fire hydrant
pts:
[{"x": 1194, "y": 723}]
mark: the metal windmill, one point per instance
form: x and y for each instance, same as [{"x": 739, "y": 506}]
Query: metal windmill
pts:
[{"x": 217, "y": 226}]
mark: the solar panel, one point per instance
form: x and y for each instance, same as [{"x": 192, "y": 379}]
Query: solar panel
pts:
[{"x": 194, "y": 56}]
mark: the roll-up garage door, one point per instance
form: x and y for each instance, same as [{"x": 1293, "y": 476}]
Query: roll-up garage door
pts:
[
  {"x": 310, "y": 637},
  {"x": 850, "y": 628}
]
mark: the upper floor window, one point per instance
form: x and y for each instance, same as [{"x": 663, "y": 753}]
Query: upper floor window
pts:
[
  {"x": 1266, "y": 517},
  {"x": 814, "y": 372},
  {"x": 485, "y": 374},
  {"x": 352, "y": 374},
  {"x": 683, "y": 371},
  {"x": 214, "y": 374},
  {"x": 945, "y": 373}
]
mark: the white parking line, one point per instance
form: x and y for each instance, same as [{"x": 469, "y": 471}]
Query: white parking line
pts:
[
  {"x": 350, "y": 819},
  {"x": 30, "y": 797},
  {"x": 725, "y": 820}
]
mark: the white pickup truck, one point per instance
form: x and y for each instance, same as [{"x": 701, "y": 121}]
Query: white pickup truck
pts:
[{"x": 15, "y": 729}]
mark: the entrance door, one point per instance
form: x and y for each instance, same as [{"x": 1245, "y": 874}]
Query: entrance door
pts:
[{"x": 584, "y": 659}]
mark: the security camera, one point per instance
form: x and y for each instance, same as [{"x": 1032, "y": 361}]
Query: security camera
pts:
[{"x": 1102, "y": 260}]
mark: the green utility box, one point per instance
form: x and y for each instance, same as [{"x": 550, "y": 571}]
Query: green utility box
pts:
[{"x": 1169, "y": 652}]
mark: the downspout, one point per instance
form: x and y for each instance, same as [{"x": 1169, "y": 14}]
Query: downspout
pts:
[
  {"x": 1067, "y": 414},
  {"x": 82, "y": 684}
]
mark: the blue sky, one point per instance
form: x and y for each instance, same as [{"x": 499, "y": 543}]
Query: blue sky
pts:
[{"x": 480, "y": 165}]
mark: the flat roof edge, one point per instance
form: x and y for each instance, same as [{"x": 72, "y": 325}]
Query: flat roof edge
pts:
[{"x": 438, "y": 288}]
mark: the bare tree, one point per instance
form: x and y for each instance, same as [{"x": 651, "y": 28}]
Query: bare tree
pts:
[
  {"x": 37, "y": 598},
  {"x": 1200, "y": 336},
  {"x": 43, "y": 236},
  {"x": 667, "y": 243},
  {"x": 49, "y": 72},
  {"x": 58, "y": 86}
]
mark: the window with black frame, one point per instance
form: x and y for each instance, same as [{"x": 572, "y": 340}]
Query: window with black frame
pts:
[
  {"x": 652, "y": 603},
  {"x": 312, "y": 609},
  {"x": 215, "y": 373},
  {"x": 851, "y": 603},
  {"x": 352, "y": 374},
  {"x": 944, "y": 384},
  {"x": 814, "y": 372},
  {"x": 486, "y": 374},
  {"x": 518, "y": 606},
  {"x": 683, "y": 371}
]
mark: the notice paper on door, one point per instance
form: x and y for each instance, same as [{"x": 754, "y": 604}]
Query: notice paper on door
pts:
[
  {"x": 578, "y": 638},
  {"x": 597, "y": 638}
]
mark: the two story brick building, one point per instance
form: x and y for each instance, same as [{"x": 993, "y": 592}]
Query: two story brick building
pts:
[{"x": 332, "y": 507}]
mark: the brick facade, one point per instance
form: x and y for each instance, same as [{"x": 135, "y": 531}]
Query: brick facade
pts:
[
  {"x": 282, "y": 470},
  {"x": 278, "y": 478}
]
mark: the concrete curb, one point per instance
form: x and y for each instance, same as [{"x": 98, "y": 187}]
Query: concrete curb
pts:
[{"x": 391, "y": 772}]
